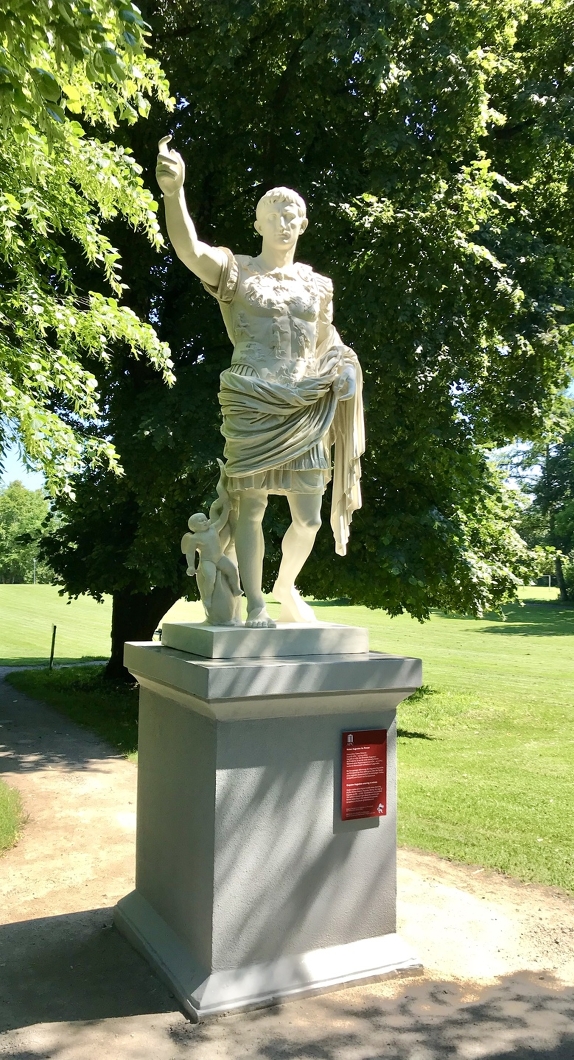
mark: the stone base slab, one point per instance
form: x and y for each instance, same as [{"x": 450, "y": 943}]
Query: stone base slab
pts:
[
  {"x": 287, "y": 639},
  {"x": 256, "y": 985},
  {"x": 219, "y": 680}
]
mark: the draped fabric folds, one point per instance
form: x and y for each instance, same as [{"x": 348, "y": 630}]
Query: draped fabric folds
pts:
[
  {"x": 281, "y": 416},
  {"x": 267, "y": 424}
]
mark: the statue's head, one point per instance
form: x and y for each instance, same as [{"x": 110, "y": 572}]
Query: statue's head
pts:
[
  {"x": 198, "y": 522},
  {"x": 281, "y": 217}
]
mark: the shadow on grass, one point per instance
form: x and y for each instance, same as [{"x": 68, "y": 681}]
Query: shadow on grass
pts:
[
  {"x": 424, "y": 692},
  {"x": 406, "y": 734},
  {"x": 544, "y": 620},
  {"x": 343, "y": 602}
]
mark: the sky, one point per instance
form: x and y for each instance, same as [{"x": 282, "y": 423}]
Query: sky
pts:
[{"x": 14, "y": 469}]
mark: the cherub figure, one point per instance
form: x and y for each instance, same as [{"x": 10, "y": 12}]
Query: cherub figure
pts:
[{"x": 204, "y": 538}]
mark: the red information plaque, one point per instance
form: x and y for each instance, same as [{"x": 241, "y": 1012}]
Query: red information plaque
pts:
[{"x": 364, "y": 774}]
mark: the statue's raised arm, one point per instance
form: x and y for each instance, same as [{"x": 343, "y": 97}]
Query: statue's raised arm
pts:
[{"x": 205, "y": 261}]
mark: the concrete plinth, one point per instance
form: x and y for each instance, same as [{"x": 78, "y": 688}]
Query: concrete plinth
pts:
[{"x": 249, "y": 886}]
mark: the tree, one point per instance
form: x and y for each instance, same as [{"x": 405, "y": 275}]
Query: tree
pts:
[
  {"x": 63, "y": 67},
  {"x": 549, "y": 518},
  {"x": 22, "y": 514},
  {"x": 421, "y": 137}
]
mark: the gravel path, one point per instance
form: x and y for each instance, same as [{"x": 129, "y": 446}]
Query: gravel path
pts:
[{"x": 499, "y": 955}]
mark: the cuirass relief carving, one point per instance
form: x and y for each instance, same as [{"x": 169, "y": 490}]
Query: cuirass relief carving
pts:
[{"x": 275, "y": 320}]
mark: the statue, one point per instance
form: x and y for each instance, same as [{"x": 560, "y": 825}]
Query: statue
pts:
[
  {"x": 217, "y": 573},
  {"x": 292, "y": 392}
]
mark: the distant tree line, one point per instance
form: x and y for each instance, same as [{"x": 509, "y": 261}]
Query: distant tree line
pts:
[
  {"x": 546, "y": 520},
  {"x": 22, "y": 516}
]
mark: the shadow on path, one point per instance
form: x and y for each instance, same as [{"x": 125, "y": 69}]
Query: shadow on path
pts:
[
  {"x": 78, "y": 978},
  {"x": 73, "y": 967},
  {"x": 519, "y": 1018},
  {"x": 34, "y": 736}
]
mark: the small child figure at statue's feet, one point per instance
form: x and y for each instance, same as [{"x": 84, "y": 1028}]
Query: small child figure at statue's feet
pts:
[{"x": 204, "y": 539}]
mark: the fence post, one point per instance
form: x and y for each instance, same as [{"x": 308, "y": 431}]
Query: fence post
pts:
[{"x": 52, "y": 648}]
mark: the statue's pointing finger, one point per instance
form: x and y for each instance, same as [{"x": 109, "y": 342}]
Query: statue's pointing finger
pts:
[{"x": 170, "y": 169}]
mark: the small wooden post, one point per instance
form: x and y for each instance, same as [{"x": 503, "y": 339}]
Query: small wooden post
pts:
[{"x": 53, "y": 646}]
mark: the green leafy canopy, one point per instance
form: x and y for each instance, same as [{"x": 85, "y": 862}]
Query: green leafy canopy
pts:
[
  {"x": 433, "y": 144},
  {"x": 66, "y": 66}
]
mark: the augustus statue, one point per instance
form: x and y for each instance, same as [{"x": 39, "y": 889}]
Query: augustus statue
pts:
[{"x": 292, "y": 392}]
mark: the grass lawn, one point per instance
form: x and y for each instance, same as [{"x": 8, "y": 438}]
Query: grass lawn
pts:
[
  {"x": 486, "y": 755},
  {"x": 28, "y": 613},
  {"x": 11, "y": 816}
]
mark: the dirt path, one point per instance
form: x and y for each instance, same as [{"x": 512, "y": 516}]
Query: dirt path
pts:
[{"x": 499, "y": 955}]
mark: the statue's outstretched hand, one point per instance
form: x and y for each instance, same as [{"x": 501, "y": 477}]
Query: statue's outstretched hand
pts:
[{"x": 170, "y": 169}]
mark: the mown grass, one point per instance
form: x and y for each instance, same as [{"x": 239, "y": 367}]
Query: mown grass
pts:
[
  {"x": 486, "y": 759},
  {"x": 27, "y": 614},
  {"x": 486, "y": 753},
  {"x": 11, "y": 816}
]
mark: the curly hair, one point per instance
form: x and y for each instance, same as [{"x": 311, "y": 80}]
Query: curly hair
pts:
[{"x": 281, "y": 195}]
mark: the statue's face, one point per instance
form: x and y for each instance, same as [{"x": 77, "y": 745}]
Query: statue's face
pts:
[
  {"x": 198, "y": 522},
  {"x": 280, "y": 224}
]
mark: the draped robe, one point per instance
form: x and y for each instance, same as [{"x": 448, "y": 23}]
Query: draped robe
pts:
[{"x": 281, "y": 417}]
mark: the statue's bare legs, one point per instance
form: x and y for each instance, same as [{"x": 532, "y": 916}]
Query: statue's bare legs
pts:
[
  {"x": 296, "y": 547},
  {"x": 250, "y": 549}
]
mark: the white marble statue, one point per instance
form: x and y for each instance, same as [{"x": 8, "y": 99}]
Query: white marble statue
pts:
[
  {"x": 217, "y": 574},
  {"x": 292, "y": 392}
]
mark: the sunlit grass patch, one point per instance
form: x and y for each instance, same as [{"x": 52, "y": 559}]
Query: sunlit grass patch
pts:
[{"x": 11, "y": 816}]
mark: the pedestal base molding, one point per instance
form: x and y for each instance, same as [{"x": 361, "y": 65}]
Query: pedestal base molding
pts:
[{"x": 255, "y": 985}]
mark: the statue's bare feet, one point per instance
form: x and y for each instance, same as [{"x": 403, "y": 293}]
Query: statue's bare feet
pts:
[
  {"x": 293, "y": 607},
  {"x": 259, "y": 619}
]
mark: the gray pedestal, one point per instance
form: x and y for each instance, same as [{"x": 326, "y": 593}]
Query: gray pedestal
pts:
[{"x": 249, "y": 886}]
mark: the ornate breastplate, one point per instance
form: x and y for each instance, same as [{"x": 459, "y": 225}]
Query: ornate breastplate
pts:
[{"x": 274, "y": 322}]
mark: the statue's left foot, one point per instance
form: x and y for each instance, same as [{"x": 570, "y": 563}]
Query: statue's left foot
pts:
[
  {"x": 259, "y": 619},
  {"x": 293, "y": 607}
]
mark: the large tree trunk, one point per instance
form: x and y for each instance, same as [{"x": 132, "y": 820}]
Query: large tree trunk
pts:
[
  {"x": 134, "y": 617},
  {"x": 560, "y": 579}
]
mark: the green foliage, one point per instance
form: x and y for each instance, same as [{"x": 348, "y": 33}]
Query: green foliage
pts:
[
  {"x": 88, "y": 59},
  {"x": 22, "y": 513},
  {"x": 548, "y": 516},
  {"x": 554, "y": 490},
  {"x": 11, "y": 816},
  {"x": 421, "y": 139},
  {"x": 64, "y": 66},
  {"x": 82, "y": 694}
]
